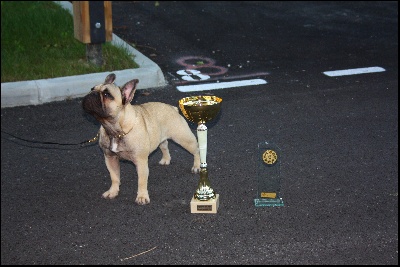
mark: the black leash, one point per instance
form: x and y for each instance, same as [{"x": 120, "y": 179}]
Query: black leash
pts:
[{"x": 81, "y": 144}]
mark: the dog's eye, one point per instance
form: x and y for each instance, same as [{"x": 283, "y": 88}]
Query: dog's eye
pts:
[{"x": 106, "y": 94}]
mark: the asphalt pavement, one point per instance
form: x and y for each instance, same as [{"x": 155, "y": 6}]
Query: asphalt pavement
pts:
[{"x": 338, "y": 140}]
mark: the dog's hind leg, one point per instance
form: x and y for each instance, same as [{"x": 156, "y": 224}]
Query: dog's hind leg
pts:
[
  {"x": 189, "y": 142},
  {"x": 166, "y": 157}
]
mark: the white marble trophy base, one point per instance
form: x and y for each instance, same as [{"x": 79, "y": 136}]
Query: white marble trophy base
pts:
[{"x": 207, "y": 206}]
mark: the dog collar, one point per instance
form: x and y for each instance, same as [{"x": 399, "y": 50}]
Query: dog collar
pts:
[{"x": 122, "y": 135}]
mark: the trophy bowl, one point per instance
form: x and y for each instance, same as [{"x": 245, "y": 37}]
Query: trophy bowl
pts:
[{"x": 200, "y": 109}]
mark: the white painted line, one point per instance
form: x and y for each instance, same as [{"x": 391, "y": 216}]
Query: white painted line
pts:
[
  {"x": 212, "y": 86},
  {"x": 353, "y": 71}
]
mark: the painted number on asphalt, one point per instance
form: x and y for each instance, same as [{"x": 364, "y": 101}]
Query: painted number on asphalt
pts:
[{"x": 189, "y": 75}]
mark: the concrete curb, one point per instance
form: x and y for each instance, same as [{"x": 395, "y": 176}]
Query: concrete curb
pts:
[{"x": 42, "y": 91}]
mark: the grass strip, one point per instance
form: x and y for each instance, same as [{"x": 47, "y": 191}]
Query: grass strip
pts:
[{"x": 37, "y": 42}]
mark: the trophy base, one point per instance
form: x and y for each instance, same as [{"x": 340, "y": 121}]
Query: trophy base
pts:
[
  {"x": 268, "y": 202},
  {"x": 205, "y": 206}
]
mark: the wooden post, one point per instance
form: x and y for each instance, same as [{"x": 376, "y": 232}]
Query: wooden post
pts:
[{"x": 93, "y": 27}]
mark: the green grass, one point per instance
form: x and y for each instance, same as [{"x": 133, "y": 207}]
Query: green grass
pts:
[{"x": 37, "y": 42}]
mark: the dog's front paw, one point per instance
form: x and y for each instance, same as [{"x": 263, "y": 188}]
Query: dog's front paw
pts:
[
  {"x": 110, "y": 194},
  {"x": 142, "y": 199}
]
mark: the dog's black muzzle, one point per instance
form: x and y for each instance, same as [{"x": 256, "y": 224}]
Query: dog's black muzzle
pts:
[{"x": 92, "y": 104}]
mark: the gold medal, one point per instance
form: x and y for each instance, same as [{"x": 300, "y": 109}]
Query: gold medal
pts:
[{"x": 270, "y": 157}]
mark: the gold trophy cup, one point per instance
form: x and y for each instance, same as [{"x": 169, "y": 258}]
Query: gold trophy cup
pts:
[{"x": 199, "y": 110}]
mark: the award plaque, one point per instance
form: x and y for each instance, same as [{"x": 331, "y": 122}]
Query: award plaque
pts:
[
  {"x": 268, "y": 175},
  {"x": 199, "y": 110}
]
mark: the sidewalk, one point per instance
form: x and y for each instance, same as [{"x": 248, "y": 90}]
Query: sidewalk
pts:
[{"x": 38, "y": 92}]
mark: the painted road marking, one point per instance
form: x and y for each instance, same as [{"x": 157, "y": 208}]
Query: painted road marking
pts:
[
  {"x": 335, "y": 73},
  {"x": 212, "y": 86},
  {"x": 187, "y": 75}
]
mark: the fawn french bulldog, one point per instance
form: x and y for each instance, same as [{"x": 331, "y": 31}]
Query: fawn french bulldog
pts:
[{"x": 132, "y": 132}]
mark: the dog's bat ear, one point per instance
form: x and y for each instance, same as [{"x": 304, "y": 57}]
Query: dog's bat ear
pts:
[
  {"x": 128, "y": 91},
  {"x": 110, "y": 78}
]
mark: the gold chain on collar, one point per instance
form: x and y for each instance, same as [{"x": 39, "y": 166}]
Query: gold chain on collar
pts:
[{"x": 122, "y": 135}]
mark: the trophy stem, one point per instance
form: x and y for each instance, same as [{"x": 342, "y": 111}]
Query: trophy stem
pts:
[
  {"x": 204, "y": 190},
  {"x": 202, "y": 138}
]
